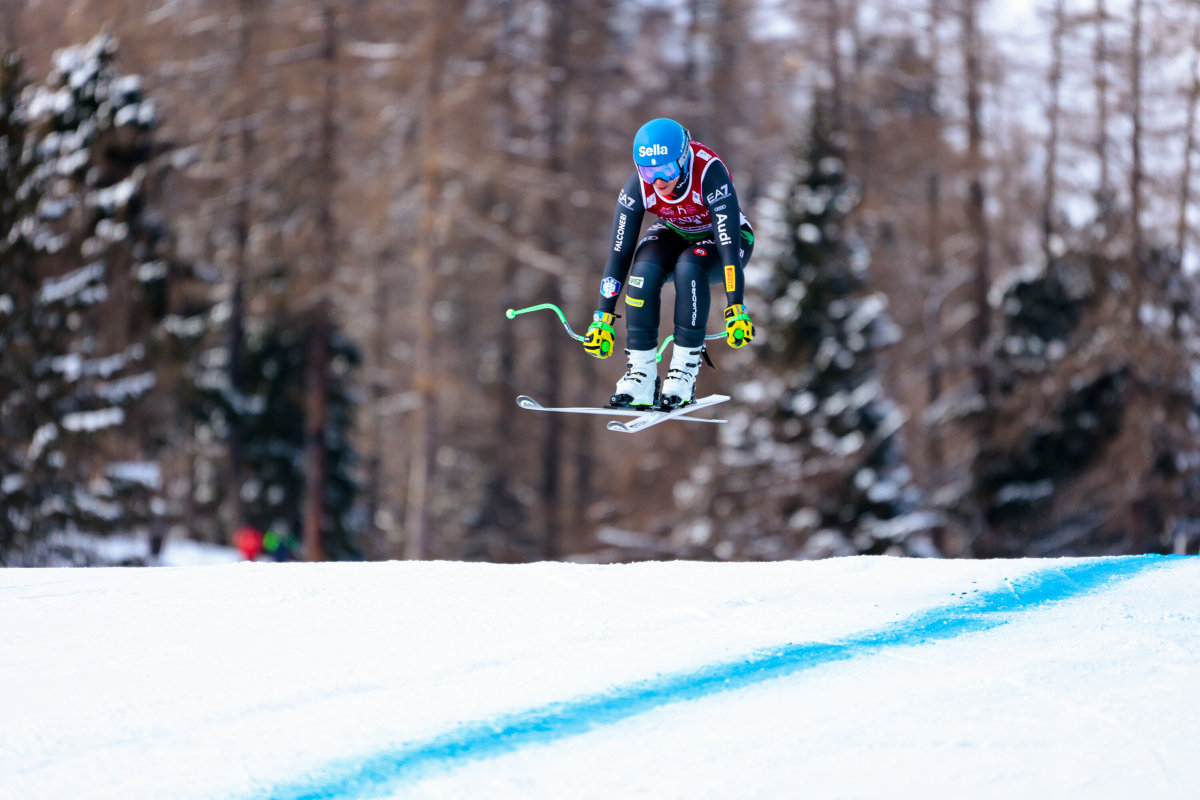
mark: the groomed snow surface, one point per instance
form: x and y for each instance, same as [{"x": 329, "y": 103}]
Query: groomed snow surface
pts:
[{"x": 864, "y": 677}]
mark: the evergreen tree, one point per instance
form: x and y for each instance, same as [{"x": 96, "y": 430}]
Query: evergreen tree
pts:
[
  {"x": 823, "y": 466},
  {"x": 1076, "y": 399},
  {"x": 270, "y": 414},
  {"x": 20, "y": 490},
  {"x": 87, "y": 283}
]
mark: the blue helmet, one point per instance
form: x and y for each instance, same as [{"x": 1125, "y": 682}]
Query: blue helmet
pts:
[{"x": 661, "y": 151}]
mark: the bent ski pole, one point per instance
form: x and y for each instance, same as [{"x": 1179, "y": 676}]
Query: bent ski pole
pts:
[{"x": 513, "y": 312}]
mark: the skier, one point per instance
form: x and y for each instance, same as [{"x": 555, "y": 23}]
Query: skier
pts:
[{"x": 701, "y": 237}]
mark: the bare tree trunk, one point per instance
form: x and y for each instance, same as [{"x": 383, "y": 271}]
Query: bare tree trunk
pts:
[
  {"x": 725, "y": 103},
  {"x": 585, "y": 140},
  {"x": 552, "y": 443},
  {"x": 937, "y": 261},
  {"x": 316, "y": 416},
  {"x": 425, "y": 374},
  {"x": 378, "y": 388},
  {"x": 1050, "y": 200},
  {"x": 691, "y": 66},
  {"x": 506, "y": 458},
  {"x": 1137, "y": 173},
  {"x": 1189, "y": 146},
  {"x": 243, "y": 78},
  {"x": 833, "y": 29},
  {"x": 933, "y": 334},
  {"x": 977, "y": 222},
  {"x": 558, "y": 66},
  {"x": 322, "y": 326},
  {"x": 860, "y": 154},
  {"x": 1104, "y": 195}
]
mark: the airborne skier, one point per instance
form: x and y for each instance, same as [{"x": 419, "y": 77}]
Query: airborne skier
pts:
[{"x": 701, "y": 237}]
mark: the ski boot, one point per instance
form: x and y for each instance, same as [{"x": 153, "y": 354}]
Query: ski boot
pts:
[
  {"x": 680, "y": 387},
  {"x": 638, "y": 387}
]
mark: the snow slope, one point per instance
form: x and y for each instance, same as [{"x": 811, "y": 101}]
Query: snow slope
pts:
[{"x": 854, "y": 677}]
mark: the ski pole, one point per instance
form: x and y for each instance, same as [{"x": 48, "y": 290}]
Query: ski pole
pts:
[{"x": 512, "y": 313}]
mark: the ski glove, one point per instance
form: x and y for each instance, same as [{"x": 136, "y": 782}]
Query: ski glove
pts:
[
  {"x": 738, "y": 328},
  {"x": 599, "y": 338}
]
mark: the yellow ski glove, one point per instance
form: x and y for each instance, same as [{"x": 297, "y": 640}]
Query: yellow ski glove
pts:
[
  {"x": 599, "y": 338},
  {"x": 738, "y": 328}
]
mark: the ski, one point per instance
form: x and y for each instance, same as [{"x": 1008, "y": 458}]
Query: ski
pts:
[
  {"x": 526, "y": 402},
  {"x": 648, "y": 418}
]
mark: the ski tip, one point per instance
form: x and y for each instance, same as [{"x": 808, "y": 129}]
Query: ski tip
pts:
[{"x": 525, "y": 401}]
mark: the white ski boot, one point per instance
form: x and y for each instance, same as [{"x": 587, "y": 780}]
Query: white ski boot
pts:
[
  {"x": 638, "y": 387},
  {"x": 679, "y": 389}
]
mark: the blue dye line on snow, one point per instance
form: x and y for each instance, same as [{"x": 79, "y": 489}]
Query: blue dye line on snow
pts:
[{"x": 380, "y": 774}]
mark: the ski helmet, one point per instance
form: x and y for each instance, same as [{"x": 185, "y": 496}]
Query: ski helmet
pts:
[{"x": 661, "y": 150}]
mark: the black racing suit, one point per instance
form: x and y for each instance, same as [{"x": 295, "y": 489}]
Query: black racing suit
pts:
[{"x": 693, "y": 260}]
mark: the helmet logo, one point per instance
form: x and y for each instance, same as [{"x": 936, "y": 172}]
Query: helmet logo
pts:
[{"x": 653, "y": 150}]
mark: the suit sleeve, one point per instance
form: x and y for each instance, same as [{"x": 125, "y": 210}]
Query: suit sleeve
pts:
[
  {"x": 627, "y": 222},
  {"x": 722, "y": 201}
]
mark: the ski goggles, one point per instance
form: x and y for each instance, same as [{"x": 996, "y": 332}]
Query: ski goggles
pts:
[{"x": 663, "y": 172}]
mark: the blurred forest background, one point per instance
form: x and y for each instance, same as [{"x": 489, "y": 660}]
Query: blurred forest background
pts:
[{"x": 256, "y": 256}]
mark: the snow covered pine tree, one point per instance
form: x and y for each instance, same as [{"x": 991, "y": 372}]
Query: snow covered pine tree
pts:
[
  {"x": 84, "y": 290},
  {"x": 820, "y": 470}
]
